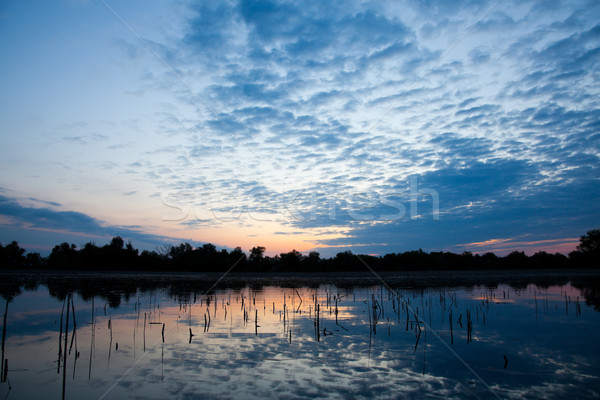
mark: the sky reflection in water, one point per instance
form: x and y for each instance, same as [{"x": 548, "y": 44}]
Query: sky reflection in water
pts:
[{"x": 266, "y": 343}]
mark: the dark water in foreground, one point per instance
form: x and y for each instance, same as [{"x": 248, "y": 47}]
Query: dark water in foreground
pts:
[{"x": 129, "y": 337}]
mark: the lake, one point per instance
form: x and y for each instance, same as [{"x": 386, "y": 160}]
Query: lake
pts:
[{"x": 433, "y": 335}]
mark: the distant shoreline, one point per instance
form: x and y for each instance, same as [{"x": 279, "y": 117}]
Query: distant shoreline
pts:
[
  {"x": 409, "y": 279},
  {"x": 120, "y": 256}
]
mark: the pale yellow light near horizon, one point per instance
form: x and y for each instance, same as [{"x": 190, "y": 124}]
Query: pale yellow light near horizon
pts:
[{"x": 266, "y": 234}]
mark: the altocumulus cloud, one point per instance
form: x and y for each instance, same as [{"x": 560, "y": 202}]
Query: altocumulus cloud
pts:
[
  {"x": 348, "y": 98},
  {"x": 510, "y": 167}
]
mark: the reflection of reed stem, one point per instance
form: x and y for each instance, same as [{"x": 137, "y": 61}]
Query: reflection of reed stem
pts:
[
  {"x": 74, "y": 335},
  {"x": 451, "y": 333},
  {"x": 317, "y": 312},
  {"x": 536, "y": 310},
  {"x": 469, "y": 327},
  {"x": 64, "y": 380},
  {"x": 417, "y": 342},
  {"x": 60, "y": 337},
  {"x": 336, "y": 311},
  {"x": 3, "y": 362},
  {"x": 93, "y": 338}
]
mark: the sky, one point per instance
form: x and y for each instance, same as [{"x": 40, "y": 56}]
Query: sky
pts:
[{"x": 374, "y": 127}]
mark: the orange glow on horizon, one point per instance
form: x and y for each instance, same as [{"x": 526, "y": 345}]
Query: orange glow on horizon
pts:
[
  {"x": 508, "y": 245},
  {"x": 273, "y": 236}
]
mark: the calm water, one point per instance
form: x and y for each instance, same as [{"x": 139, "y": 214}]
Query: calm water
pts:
[{"x": 299, "y": 340}]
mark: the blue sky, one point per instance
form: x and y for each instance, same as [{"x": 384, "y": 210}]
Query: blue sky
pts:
[{"x": 374, "y": 127}]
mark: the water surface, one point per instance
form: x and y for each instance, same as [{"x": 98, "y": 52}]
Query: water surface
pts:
[{"x": 400, "y": 338}]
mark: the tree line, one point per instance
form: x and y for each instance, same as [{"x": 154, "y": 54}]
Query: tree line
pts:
[{"x": 120, "y": 256}]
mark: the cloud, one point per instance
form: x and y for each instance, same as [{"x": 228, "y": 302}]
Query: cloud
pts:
[{"x": 33, "y": 227}]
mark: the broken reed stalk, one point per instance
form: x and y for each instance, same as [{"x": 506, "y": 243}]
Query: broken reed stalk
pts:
[
  {"x": 60, "y": 337},
  {"x": 416, "y": 315},
  {"x": 3, "y": 362},
  {"x": 74, "y": 335},
  {"x": 417, "y": 342}
]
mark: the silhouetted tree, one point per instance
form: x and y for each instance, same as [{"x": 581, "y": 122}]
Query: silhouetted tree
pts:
[
  {"x": 256, "y": 259},
  {"x": 153, "y": 261},
  {"x": 12, "y": 256},
  {"x": 311, "y": 262},
  {"x": 64, "y": 256},
  {"x": 290, "y": 261},
  {"x": 117, "y": 243},
  {"x": 208, "y": 257},
  {"x": 91, "y": 256},
  {"x": 588, "y": 250},
  {"x": 590, "y": 242},
  {"x": 346, "y": 261},
  {"x": 515, "y": 260},
  {"x": 182, "y": 256},
  {"x": 543, "y": 260},
  {"x": 116, "y": 255},
  {"x": 256, "y": 254},
  {"x": 34, "y": 261},
  {"x": 490, "y": 261},
  {"x": 238, "y": 258}
]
